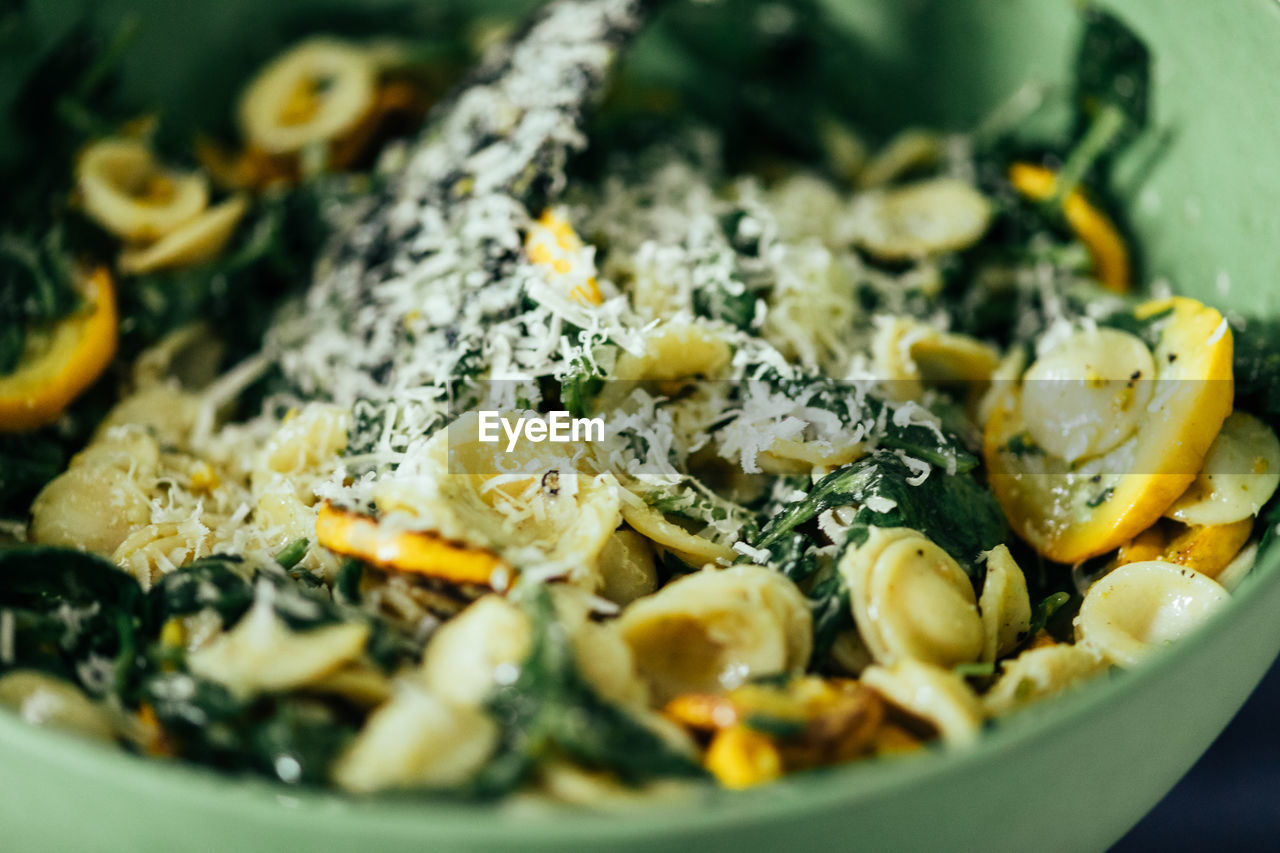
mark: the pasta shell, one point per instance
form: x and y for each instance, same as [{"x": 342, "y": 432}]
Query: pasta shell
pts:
[
  {"x": 476, "y": 650},
  {"x": 89, "y": 507},
  {"x": 261, "y": 654},
  {"x": 937, "y": 696},
  {"x": 673, "y": 352},
  {"x": 911, "y": 149},
  {"x": 305, "y": 440},
  {"x": 907, "y": 354},
  {"x": 922, "y": 219},
  {"x": 1004, "y": 604},
  {"x": 192, "y": 242},
  {"x": 166, "y": 411},
  {"x": 627, "y": 570},
  {"x": 805, "y": 204},
  {"x": 603, "y": 658},
  {"x": 1236, "y": 571},
  {"x": 911, "y": 600},
  {"x": 713, "y": 630},
  {"x": 125, "y": 191},
  {"x": 314, "y": 92},
  {"x": 1240, "y": 474},
  {"x": 692, "y": 549},
  {"x": 1089, "y": 393},
  {"x": 43, "y": 700},
  {"x": 416, "y": 740},
  {"x": 1038, "y": 673},
  {"x": 1139, "y": 607}
]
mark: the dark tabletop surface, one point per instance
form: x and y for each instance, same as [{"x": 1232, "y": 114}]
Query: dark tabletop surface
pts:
[{"x": 1231, "y": 799}]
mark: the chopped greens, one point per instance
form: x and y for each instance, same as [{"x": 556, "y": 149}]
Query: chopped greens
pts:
[
  {"x": 953, "y": 510},
  {"x": 549, "y": 707},
  {"x": 1113, "y": 86}
]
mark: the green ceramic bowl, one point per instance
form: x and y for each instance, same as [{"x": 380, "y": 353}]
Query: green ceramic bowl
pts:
[{"x": 1072, "y": 774}]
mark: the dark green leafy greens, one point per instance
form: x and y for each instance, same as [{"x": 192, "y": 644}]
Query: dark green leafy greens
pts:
[
  {"x": 550, "y": 708},
  {"x": 953, "y": 510},
  {"x": 74, "y": 615},
  {"x": 1256, "y": 367},
  {"x": 78, "y": 617},
  {"x": 1113, "y": 93},
  {"x": 928, "y": 443}
]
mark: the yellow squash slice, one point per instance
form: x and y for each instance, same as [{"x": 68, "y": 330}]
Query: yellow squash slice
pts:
[
  {"x": 1070, "y": 511},
  {"x": 420, "y": 552},
  {"x": 1208, "y": 549},
  {"x": 1090, "y": 225},
  {"x": 63, "y": 362}
]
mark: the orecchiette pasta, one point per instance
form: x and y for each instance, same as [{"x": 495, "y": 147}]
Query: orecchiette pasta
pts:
[
  {"x": 692, "y": 549},
  {"x": 261, "y": 653},
  {"x": 1239, "y": 476},
  {"x": 476, "y": 650},
  {"x": 935, "y": 695},
  {"x": 1004, "y": 604},
  {"x": 1038, "y": 673},
  {"x": 933, "y": 216},
  {"x": 166, "y": 411},
  {"x": 911, "y": 600},
  {"x": 315, "y": 92},
  {"x": 416, "y": 740},
  {"x": 195, "y": 240},
  {"x": 43, "y": 700},
  {"x": 1140, "y": 607},
  {"x": 313, "y": 436},
  {"x": 714, "y": 629},
  {"x": 91, "y": 507},
  {"x": 535, "y": 501},
  {"x": 126, "y": 192},
  {"x": 908, "y": 353},
  {"x": 627, "y": 570},
  {"x": 1089, "y": 393},
  {"x": 673, "y": 354}
]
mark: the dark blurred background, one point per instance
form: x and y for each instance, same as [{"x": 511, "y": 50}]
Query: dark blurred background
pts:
[{"x": 1231, "y": 799}]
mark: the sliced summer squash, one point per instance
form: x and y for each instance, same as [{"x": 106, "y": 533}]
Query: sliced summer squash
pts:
[
  {"x": 1070, "y": 511},
  {"x": 63, "y": 362}
]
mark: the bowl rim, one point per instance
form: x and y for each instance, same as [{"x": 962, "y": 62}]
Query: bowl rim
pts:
[{"x": 406, "y": 815}]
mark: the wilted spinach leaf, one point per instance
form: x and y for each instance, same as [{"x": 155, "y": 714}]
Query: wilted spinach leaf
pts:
[
  {"x": 953, "y": 510},
  {"x": 550, "y": 707},
  {"x": 1113, "y": 91},
  {"x": 1256, "y": 367},
  {"x": 211, "y": 582},
  {"x": 75, "y": 615}
]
